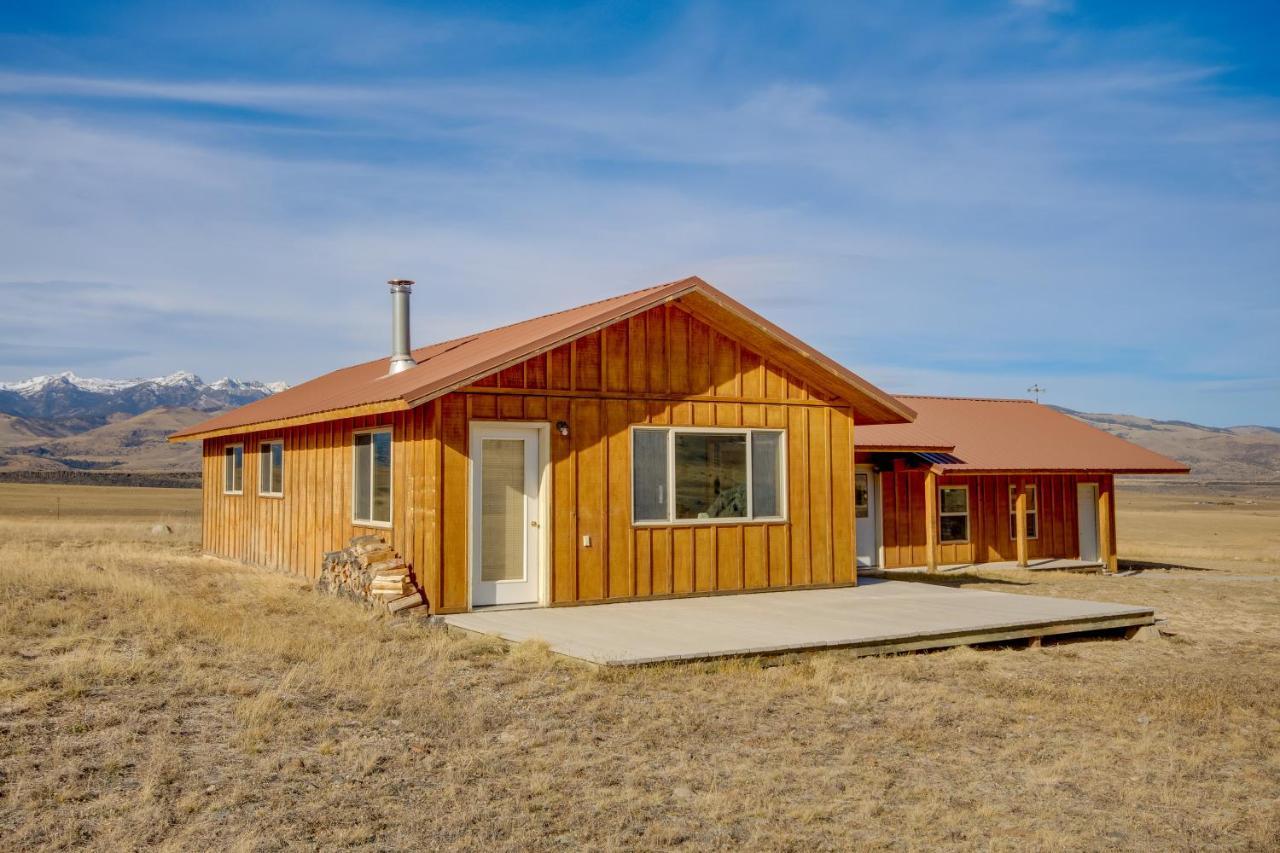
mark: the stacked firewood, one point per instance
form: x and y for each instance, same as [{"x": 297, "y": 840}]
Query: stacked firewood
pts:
[{"x": 369, "y": 569}]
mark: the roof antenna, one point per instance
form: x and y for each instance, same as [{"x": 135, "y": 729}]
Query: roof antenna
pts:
[{"x": 1037, "y": 390}]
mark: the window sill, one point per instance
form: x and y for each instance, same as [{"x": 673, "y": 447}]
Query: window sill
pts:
[
  {"x": 234, "y": 494},
  {"x": 276, "y": 495},
  {"x": 709, "y": 522},
  {"x": 377, "y": 525}
]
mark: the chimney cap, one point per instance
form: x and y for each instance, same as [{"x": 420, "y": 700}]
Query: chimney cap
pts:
[{"x": 400, "y": 282}]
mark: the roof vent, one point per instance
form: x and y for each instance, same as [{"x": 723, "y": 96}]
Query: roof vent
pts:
[{"x": 400, "y": 357}]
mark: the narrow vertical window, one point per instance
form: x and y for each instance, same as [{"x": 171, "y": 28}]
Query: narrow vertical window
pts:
[
  {"x": 766, "y": 474},
  {"x": 953, "y": 514},
  {"x": 1033, "y": 512},
  {"x": 371, "y": 475},
  {"x": 233, "y": 469},
  {"x": 649, "y": 475},
  {"x": 271, "y": 468}
]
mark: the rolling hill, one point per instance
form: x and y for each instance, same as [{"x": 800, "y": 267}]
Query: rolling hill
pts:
[{"x": 1230, "y": 454}]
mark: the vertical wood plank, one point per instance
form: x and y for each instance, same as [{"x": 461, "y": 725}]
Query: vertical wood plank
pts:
[
  {"x": 587, "y": 358},
  {"x": 587, "y": 431},
  {"x": 564, "y": 532},
  {"x": 677, "y": 327},
  {"x": 637, "y": 347},
  {"x": 658, "y": 355},
  {"x": 798, "y": 499},
  {"x": 455, "y": 512},
  {"x": 622, "y": 580},
  {"x": 616, "y": 370}
]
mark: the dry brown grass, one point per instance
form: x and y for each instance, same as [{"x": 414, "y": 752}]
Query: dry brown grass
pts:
[{"x": 166, "y": 700}]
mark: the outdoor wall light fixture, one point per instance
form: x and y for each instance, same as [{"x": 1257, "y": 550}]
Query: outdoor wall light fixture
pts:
[{"x": 562, "y": 428}]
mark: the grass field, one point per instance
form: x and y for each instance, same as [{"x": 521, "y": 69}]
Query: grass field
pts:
[{"x": 153, "y": 698}]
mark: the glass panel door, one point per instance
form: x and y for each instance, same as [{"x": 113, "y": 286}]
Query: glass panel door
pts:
[
  {"x": 505, "y": 524},
  {"x": 502, "y": 508}
]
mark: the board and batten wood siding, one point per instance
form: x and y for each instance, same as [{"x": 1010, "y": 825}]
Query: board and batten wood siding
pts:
[
  {"x": 661, "y": 367},
  {"x": 903, "y": 525}
]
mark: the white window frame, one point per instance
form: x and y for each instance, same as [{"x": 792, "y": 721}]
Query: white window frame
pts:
[
  {"x": 391, "y": 496},
  {"x": 264, "y": 456},
  {"x": 227, "y": 456},
  {"x": 1013, "y": 510},
  {"x": 671, "y": 520},
  {"x": 968, "y": 521}
]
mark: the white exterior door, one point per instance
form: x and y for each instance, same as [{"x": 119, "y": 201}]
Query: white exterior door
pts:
[
  {"x": 1087, "y": 520},
  {"x": 867, "y": 515},
  {"x": 506, "y": 534}
]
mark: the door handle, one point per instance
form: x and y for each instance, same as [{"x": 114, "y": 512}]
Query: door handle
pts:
[{"x": 533, "y": 524}]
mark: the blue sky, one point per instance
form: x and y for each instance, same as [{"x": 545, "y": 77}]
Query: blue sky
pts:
[{"x": 954, "y": 198}]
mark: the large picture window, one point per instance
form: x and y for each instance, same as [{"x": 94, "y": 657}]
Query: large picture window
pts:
[
  {"x": 233, "y": 469},
  {"x": 706, "y": 475},
  {"x": 271, "y": 468},
  {"x": 371, "y": 473},
  {"x": 1032, "y": 512},
  {"x": 953, "y": 514}
]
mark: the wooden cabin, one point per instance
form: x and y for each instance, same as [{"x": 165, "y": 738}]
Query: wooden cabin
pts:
[
  {"x": 501, "y": 464},
  {"x": 664, "y": 442}
]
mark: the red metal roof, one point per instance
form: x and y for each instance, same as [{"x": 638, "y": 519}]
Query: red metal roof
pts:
[
  {"x": 443, "y": 367},
  {"x": 1013, "y": 435}
]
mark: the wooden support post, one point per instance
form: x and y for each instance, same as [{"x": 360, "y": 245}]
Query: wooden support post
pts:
[
  {"x": 1020, "y": 510},
  {"x": 1107, "y": 526},
  {"x": 931, "y": 520}
]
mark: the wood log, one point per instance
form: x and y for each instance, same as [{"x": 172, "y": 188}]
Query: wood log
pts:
[
  {"x": 377, "y": 555},
  {"x": 405, "y": 603},
  {"x": 378, "y": 568}
]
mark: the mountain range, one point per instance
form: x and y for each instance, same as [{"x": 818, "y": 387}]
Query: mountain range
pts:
[{"x": 66, "y": 423}]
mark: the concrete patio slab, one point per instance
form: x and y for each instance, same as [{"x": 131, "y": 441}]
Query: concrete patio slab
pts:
[{"x": 876, "y": 617}]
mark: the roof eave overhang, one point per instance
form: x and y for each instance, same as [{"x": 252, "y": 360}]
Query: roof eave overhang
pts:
[{"x": 362, "y": 410}]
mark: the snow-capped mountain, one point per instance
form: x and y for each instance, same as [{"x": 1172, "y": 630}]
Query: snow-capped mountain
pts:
[{"x": 92, "y": 402}]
